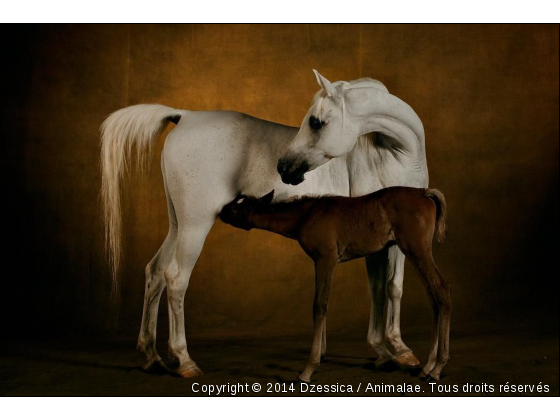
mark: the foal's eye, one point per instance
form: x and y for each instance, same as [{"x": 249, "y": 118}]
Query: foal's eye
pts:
[{"x": 315, "y": 123}]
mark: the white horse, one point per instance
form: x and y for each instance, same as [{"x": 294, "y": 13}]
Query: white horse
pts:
[{"x": 211, "y": 157}]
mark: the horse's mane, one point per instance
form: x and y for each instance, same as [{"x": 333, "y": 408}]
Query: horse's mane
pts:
[{"x": 363, "y": 83}]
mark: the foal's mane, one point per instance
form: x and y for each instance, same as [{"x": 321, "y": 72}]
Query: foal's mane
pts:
[
  {"x": 292, "y": 202},
  {"x": 306, "y": 197}
]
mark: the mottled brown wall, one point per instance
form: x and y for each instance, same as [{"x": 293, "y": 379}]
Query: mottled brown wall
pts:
[{"x": 488, "y": 97}]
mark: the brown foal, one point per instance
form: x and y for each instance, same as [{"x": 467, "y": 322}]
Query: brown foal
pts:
[{"x": 337, "y": 229}]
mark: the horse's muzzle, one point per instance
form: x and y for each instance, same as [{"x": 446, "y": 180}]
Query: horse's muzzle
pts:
[{"x": 292, "y": 172}]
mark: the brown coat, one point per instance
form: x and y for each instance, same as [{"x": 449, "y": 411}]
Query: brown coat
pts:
[{"x": 337, "y": 229}]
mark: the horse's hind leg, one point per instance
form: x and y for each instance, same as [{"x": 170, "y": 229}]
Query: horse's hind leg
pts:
[
  {"x": 155, "y": 284},
  {"x": 190, "y": 239}
]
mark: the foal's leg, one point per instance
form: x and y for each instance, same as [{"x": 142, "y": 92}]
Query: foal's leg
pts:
[
  {"x": 323, "y": 273},
  {"x": 439, "y": 293},
  {"x": 395, "y": 278},
  {"x": 190, "y": 239},
  {"x": 324, "y": 339}
]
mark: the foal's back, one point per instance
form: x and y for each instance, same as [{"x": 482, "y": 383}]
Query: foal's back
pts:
[{"x": 357, "y": 227}]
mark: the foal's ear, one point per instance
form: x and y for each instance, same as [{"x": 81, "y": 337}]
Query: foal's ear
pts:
[
  {"x": 267, "y": 199},
  {"x": 325, "y": 84}
]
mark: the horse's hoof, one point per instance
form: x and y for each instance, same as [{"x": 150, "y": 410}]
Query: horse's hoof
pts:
[
  {"x": 155, "y": 366},
  {"x": 407, "y": 361},
  {"x": 382, "y": 361},
  {"x": 189, "y": 372},
  {"x": 434, "y": 376}
]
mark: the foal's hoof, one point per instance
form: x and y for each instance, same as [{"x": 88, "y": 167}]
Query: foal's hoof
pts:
[
  {"x": 407, "y": 361},
  {"x": 189, "y": 372},
  {"x": 302, "y": 378}
]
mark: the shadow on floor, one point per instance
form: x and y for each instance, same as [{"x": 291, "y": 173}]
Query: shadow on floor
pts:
[{"x": 480, "y": 364}]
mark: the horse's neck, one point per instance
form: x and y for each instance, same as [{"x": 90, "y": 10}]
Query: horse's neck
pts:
[
  {"x": 328, "y": 179},
  {"x": 379, "y": 111},
  {"x": 376, "y": 162}
]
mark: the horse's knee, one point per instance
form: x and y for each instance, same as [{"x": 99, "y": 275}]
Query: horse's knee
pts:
[
  {"x": 394, "y": 290},
  {"x": 177, "y": 281},
  {"x": 154, "y": 278}
]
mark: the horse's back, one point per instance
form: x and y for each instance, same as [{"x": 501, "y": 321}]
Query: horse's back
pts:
[
  {"x": 224, "y": 123},
  {"x": 210, "y": 155}
]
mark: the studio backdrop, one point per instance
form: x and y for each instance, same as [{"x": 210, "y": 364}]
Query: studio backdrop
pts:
[{"x": 488, "y": 99}]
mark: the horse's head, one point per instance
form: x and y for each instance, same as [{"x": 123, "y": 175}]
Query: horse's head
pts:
[
  {"x": 330, "y": 128},
  {"x": 238, "y": 212},
  {"x": 324, "y": 134}
]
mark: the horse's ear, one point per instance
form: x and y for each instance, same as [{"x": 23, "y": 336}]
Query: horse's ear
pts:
[
  {"x": 267, "y": 199},
  {"x": 325, "y": 84}
]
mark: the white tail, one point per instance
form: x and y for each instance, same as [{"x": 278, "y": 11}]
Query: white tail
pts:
[{"x": 138, "y": 125}]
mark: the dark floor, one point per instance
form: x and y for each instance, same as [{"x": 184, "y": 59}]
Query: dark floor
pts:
[{"x": 104, "y": 367}]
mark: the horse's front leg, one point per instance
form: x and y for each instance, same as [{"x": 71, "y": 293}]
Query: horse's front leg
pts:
[{"x": 324, "y": 268}]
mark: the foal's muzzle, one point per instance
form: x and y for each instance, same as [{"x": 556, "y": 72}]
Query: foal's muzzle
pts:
[{"x": 292, "y": 172}]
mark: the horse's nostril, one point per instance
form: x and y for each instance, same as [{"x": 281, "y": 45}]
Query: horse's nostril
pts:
[{"x": 281, "y": 166}]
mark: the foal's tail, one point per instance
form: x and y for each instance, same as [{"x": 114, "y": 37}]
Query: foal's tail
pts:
[
  {"x": 140, "y": 126},
  {"x": 441, "y": 216}
]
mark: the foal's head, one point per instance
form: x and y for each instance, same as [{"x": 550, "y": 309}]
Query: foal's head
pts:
[{"x": 238, "y": 212}]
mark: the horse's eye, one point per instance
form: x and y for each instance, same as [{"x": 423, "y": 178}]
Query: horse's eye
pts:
[{"x": 315, "y": 123}]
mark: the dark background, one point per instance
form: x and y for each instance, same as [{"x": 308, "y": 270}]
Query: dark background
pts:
[{"x": 488, "y": 98}]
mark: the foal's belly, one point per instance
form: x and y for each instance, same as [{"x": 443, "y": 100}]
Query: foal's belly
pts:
[{"x": 353, "y": 251}]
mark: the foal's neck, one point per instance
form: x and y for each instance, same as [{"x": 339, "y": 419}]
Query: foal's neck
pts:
[{"x": 280, "y": 218}]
